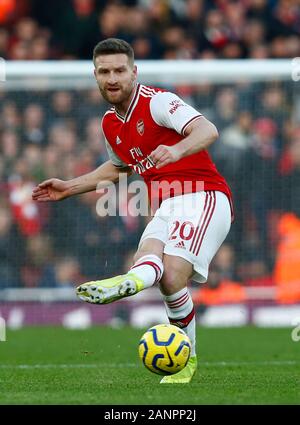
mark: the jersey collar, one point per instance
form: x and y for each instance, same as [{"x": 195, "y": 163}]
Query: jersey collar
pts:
[{"x": 131, "y": 106}]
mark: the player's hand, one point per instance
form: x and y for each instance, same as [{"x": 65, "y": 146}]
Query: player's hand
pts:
[
  {"x": 51, "y": 190},
  {"x": 164, "y": 155}
]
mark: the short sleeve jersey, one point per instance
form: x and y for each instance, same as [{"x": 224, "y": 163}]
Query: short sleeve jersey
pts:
[{"x": 156, "y": 117}]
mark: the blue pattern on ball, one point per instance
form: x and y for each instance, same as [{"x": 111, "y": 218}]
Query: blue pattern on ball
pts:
[
  {"x": 143, "y": 341},
  {"x": 182, "y": 344},
  {"x": 154, "y": 365},
  {"x": 161, "y": 343}
]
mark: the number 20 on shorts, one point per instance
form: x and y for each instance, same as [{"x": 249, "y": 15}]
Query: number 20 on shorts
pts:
[{"x": 183, "y": 230}]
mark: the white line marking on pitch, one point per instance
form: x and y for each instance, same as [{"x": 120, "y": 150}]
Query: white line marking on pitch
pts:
[
  {"x": 257, "y": 363},
  {"x": 68, "y": 366},
  {"x": 124, "y": 365}
]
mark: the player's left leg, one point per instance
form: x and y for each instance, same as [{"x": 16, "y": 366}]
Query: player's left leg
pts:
[
  {"x": 180, "y": 309},
  {"x": 145, "y": 272}
]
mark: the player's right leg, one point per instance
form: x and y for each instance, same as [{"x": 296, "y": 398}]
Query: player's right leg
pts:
[{"x": 145, "y": 272}]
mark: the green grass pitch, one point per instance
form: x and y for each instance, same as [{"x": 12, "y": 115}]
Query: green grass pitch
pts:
[{"x": 101, "y": 366}]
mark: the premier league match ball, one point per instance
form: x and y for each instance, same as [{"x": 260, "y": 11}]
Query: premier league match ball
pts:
[{"x": 165, "y": 349}]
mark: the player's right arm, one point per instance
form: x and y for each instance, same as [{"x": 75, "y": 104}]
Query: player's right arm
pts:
[{"x": 57, "y": 190}]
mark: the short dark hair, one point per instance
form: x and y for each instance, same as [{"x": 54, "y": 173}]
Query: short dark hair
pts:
[{"x": 112, "y": 46}]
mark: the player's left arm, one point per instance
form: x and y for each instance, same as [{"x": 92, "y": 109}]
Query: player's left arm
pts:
[{"x": 199, "y": 135}]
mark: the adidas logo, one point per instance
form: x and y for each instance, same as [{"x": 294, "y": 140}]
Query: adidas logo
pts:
[
  {"x": 118, "y": 140},
  {"x": 180, "y": 245}
]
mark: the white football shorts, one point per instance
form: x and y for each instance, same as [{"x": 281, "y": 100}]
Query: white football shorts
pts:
[{"x": 192, "y": 226}]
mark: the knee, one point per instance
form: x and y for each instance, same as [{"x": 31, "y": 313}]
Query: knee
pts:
[
  {"x": 177, "y": 272},
  {"x": 172, "y": 281}
]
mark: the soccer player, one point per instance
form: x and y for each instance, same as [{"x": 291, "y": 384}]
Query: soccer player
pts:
[{"x": 156, "y": 134}]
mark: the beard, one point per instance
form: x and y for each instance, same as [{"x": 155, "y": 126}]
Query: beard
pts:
[{"x": 116, "y": 97}]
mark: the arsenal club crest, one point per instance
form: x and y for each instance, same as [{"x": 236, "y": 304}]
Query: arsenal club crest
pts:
[{"x": 140, "y": 127}]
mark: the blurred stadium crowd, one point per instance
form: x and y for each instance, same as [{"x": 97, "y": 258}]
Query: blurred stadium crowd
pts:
[
  {"x": 157, "y": 29},
  {"x": 57, "y": 134}
]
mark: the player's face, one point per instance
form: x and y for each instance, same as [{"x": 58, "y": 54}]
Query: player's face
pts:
[{"x": 115, "y": 77}]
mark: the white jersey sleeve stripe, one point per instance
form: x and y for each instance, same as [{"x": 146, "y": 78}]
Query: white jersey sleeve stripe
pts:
[
  {"x": 149, "y": 89},
  {"x": 146, "y": 95}
]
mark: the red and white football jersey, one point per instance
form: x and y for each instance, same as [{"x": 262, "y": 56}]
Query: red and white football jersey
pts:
[{"x": 157, "y": 117}]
